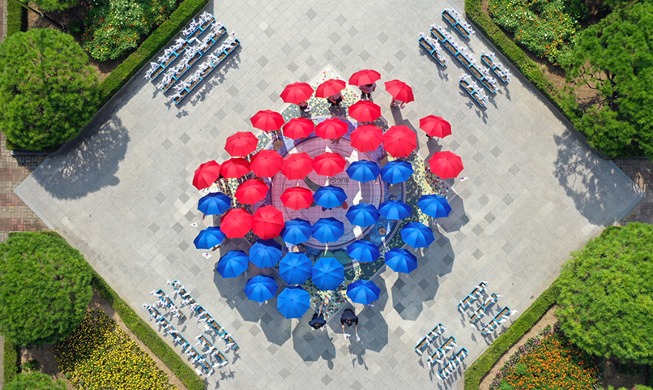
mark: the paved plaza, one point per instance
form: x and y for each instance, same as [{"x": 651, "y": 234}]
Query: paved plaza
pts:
[{"x": 122, "y": 192}]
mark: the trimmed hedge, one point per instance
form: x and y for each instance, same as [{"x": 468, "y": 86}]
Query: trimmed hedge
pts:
[
  {"x": 16, "y": 17},
  {"x": 479, "y": 369},
  {"x": 11, "y": 362},
  {"x": 148, "y": 336},
  {"x": 148, "y": 49}
]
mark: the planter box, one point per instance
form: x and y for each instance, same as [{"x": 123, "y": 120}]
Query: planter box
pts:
[{"x": 426, "y": 45}]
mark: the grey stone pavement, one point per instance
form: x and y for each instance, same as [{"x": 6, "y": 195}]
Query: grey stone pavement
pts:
[{"x": 122, "y": 193}]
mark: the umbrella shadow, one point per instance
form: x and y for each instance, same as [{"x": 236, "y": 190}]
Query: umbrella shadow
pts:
[
  {"x": 457, "y": 218},
  {"x": 372, "y": 329},
  {"x": 311, "y": 345}
]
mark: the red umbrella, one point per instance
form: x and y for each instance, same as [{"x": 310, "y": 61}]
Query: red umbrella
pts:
[
  {"x": 267, "y": 222},
  {"x": 267, "y": 120},
  {"x": 241, "y": 144},
  {"x": 206, "y": 174},
  {"x": 296, "y": 93},
  {"x": 447, "y": 164},
  {"x": 266, "y": 163},
  {"x": 364, "y": 77},
  {"x": 329, "y": 88},
  {"x": 298, "y": 128},
  {"x": 329, "y": 164},
  {"x": 400, "y": 90},
  {"x": 236, "y": 223},
  {"x": 234, "y": 167},
  {"x": 251, "y": 191},
  {"x": 364, "y": 111},
  {"x": 297, "y": 198},
  {"x": 435, "y": 126},
  {"x": 332, "y": 128},
  {"x": 297, "y": 166},
  {"x": 366, "y": 138},
  {"x": 400, "y": 141}
]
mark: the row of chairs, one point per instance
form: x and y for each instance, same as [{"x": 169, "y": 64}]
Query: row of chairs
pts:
[
  {"x": 498, "y": 319},
  {"x": 484, "y": 307},
  {"x": 432, "y": 48},
  {"x": 457, "y": 22},
  {"x": 453, "y": 362},
  {"x": 167, "y": 303},
  {"x": 477, "y": 293},
  {"x": 490, "y": 60},
  {"x": 440, "y": 353},
  {"x": 431, "y": 337}
]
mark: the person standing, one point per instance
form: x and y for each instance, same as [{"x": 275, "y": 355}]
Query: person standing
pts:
[
  {"x": 318, "y": 320},
  {"x": 304, "y": 107},
  {"x": 349, "y": 318},
  {"x": 335, "y": 100},
  {"x": 366, "y": 91}
]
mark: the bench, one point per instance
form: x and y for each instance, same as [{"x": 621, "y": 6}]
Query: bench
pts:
[{"x": 432, "y": 50}]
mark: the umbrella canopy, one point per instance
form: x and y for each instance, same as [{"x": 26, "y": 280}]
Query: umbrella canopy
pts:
[
  {"x": 295, "y": 268},
  {"x": 330, "y": 197},
  {"x": 446, "y": 164},
  {"x": 206, "y": 174},
  {"x": 251, "y": 191},
  {"x": 234, "y": 168},
  {"x": 236, "y": 223},
  {"x": 267, "y": 222},
  {"x": 265, "y": 253},
  {"x": 399, "y": 90},
  {"x": 297, "y": 166},
  {"x": 329, "y": 88},
  {"x": 214, "y": 203},
  {"x": 266, "y": 163},
  {"x": 296, "y": 93},
  {"x": 362, "y": 214},
  {"x": 394, "y": 210},
  {"x": 241, "y": 144},
  {"x": 366, "y": 138},
  {"x": 417, "y": 235},
  {"x": 297, "y": 198},
  {"x": 396, "y": 171},
  {"x": 329, "y": 164},
  {"x": 293, "y": 302},
  {"x": 364, "y": 111},
  {"x": 232, "y": 264},
  {"x": 435, "y": 126},
  {"x": 400, "y": 260},
  {"x": 364, "y": 77},
  {"x": 363, "y": 171},
  {"x": 328, "y": 229},
  {"x": 332, "y": 128},
  {"x": 363, "y": 251},
  {"x": 267, "y": 120},
  {"x": 297, "y": 128},
  {"x": 296, "y": 231},
  {"x": 363, "y": 292},
  {"x": 328, "y": 273},
  {"x": 400, "y": 141},
  {"x": 435, "y": 206},
  {"x": 260, "y": 288},
  {"x": 209, "y": 238}
]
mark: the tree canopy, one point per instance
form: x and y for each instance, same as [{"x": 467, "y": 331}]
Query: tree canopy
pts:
[
  {"x": 44, "y": 288},
  {"x": 35, "y": 381},
  {"x": 54, "y": 5},
  {"x": 606, "y": 295},
  {"x": 48, "y": 91}
]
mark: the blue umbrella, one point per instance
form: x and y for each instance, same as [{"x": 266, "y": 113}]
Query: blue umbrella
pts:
[
  {"x": 329, "y": 196},
  {"x": 328, "y": 273},
  {"x": 295, "y": 268},
  {"x": 328, "y": 229},
  {"x": 363, "y": 251},
  {"x": 396, "y": 172},
  {"x": 400, "y": 260},
  {"x": 363, "y": 171},
  {"x": 363, "y": 292},
  {"x": 265, "y": 253},
  {"x": 260, "y": 288},
  {"x": 394, "y": 210},
  {"x": 296, "y": 231},
  {"x": 435, "y": 206},
  {"x": 417, "y": 235},
  {"x": 209, "y": 238},
  {"x": 363, "y": 214},
  {"x": 293, "y": 302},
  {"x": 214, "y": 203},
  {"x": 232, "y": 264}
]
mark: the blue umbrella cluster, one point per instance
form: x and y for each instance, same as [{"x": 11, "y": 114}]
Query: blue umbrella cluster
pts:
[
  {"x": 435, "y": 206},
  {"x": 362, "y": 214},
  {"x": 293, "y": 302},
  {"x": 260, "y": 288},
  {"x": 328, "y": 229},
  {"x": 363, "y": 291},
  {"x": 328, "y": 273},
  {"x": 417, "y": 235},
  {"x": 363, "y": 251},
  {"x": 400, "y": 260},
  {"x": 394, "y": 210},
  {"x": 295, "y": 268},
  {"x": 396, "y": 172}
]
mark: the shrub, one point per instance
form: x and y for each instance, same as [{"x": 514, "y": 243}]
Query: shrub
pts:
[
  {"x": 11, "y": 361},
  {"x": 16, "y": 17},
  {"x": 54, "y": 5},
  {"x": 35, "y": 381}
]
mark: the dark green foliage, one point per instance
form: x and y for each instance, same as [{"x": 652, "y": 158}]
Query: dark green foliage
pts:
[
  {"x": 606, "y": 295},
  {"x": 44, "y": 288},
  {"x": 54, "y": 5},
  {"x": 11, "y": 361},
  {"x": 16, "y": 17},
  {"x": 48, "y": 92},
  {"x": 35, "y": 381}
]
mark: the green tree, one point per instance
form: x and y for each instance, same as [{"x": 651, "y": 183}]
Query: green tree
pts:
[
  {"x": 44, "y": 288},
  {"x": 615, "y": 58},
  {"x": 53, "y": 5},
  {"x": 606, "y": 295},
  {"x": 35, "y": 381},
  {"x": 48, "y": 91}
]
